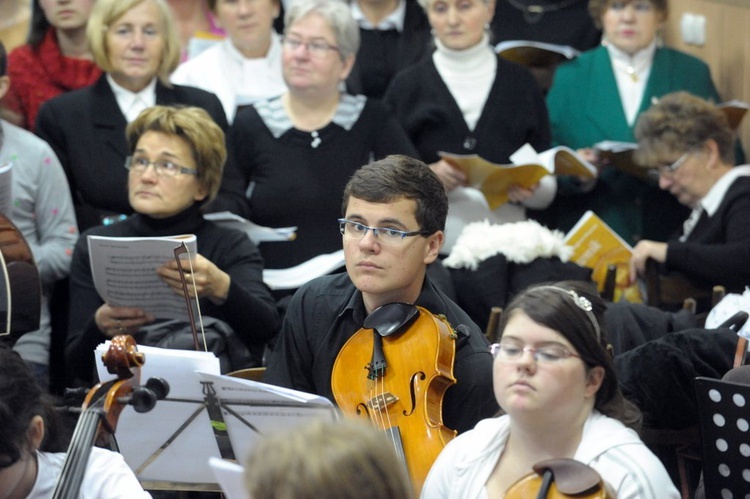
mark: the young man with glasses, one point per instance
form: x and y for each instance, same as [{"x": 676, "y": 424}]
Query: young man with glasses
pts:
[{"x": 392, "y": 227}]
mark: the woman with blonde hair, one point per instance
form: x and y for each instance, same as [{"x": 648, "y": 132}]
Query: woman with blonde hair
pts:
[
  {"x": 175, "y": 166},
  {"x": 135, "y": 44}
]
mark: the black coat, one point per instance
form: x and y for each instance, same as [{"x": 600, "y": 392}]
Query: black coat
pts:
[{"x": 86, "y": 129}]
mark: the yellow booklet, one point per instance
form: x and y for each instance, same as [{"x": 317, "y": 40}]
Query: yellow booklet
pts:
[
  {"x": 596, "y": 246},
  {"x": 527, "y": 169}
]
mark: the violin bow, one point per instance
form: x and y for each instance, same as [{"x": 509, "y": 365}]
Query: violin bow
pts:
[{"x": 182, "y": 249}]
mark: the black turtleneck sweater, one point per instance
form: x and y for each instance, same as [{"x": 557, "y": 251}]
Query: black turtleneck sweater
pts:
[{"x": 249, "y": 308}]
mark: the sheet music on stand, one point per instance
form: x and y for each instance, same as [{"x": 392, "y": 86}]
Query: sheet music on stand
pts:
[{"x": 170, "y": 446}]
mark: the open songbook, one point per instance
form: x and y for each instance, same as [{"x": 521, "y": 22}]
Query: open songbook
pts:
[
  {"x": 620, "y": 155},
  {"x": 124, "y": 273},
  {"x": 527, "y": 168},
  {"x": 535, "y": 54},
  {"x": 596, "y": 246},
  {"x": 204, "y": 415}
]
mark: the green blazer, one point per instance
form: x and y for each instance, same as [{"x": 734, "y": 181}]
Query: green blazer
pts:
[{"x": 585, "y": 108}]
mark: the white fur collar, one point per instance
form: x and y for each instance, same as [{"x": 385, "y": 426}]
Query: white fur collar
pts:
[{"x": 520, "y": 242}]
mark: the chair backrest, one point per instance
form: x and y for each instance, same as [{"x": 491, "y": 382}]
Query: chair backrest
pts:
[
  {"x": 671, "y": 291},
  {"x": 724, "y": 410}
]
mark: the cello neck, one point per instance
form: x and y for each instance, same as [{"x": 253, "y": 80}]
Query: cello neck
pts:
[{"x": 79, "y": 450}]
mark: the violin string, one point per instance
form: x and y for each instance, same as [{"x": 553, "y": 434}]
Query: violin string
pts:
[
  {"x": 387, "y": 425},
  {"x": 197, "y": 302}
]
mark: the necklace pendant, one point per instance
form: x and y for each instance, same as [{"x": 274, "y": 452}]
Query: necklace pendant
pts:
[{"x": 630, "y": 70}]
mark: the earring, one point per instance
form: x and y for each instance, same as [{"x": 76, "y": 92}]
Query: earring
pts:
[{"x": 486, "y": 26}]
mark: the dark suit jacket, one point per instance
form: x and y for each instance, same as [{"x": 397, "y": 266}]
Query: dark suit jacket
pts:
[{"x": 86, "y": 129}]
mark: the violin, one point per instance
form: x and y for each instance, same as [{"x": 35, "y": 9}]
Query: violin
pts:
[
  {"x": 102, "y": 407},
  {"x": 561, "y": 479},
  {"x": 21, "y": 294},
  {"x": 394, "y": 372}
]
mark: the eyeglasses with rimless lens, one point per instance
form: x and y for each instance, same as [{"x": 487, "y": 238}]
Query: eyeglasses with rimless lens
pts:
[
  {"x": 316, "y": 48},
  {"x": 162, "y": 167},
  {"x": 508, "y": 352},
  {"x": 383, "y": 235}
]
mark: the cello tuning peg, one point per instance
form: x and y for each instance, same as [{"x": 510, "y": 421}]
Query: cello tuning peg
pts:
[
  {"x": 142, "y": 399},
  {"x": 159, "y": 386}
]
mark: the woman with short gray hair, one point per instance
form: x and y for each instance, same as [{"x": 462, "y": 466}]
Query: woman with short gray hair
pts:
[{"x": 296, "y": 152}]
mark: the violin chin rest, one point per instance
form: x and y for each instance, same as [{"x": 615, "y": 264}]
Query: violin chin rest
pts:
[
  {"x": 392, "y": 318},
  {"x": 571, "y": 477}
]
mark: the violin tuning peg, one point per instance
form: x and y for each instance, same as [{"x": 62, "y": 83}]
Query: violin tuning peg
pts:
[{"x": 159, "y": 386}]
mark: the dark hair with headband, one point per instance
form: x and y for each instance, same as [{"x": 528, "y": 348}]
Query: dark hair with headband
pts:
[{"x": 576, "y": 311}]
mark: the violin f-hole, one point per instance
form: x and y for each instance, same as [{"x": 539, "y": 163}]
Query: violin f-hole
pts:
[{"x": 415, "y": 378}]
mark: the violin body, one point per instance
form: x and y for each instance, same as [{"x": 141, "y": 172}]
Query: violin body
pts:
[
  {"x": 405, "y": 400},
  {"x": 561, "y": 478}
]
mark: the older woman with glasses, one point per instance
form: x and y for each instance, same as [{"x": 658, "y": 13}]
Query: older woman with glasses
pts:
[
  {"x": 555, "y": 380},
  {"x": 177, "y": 157},
  {"x": 134, "y": 42},
  {"x": 296, "y": 152},
  {"x": 691, "y": 140},
  {"x": 599, "y": 95}
]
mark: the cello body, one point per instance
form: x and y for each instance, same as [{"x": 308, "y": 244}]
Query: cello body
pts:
[
  {"x": 21, "y": 293},
  {"x": 405, "y": 397}
]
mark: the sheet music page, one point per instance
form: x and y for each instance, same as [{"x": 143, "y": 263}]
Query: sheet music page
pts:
[
  {"x": 6, "y": 188},
  {"x": 124, "y": 273},
  {"x": 256, "y": 233},
  {"x": 140, "y": 435},
  {"x": 230, "y": 477},
  {"x": 174, "y": 441},
  {"x": 294, "y": 277}
]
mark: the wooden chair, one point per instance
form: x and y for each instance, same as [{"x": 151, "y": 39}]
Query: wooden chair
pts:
[
  {"x": 251, "y": 373},
  {"x": 491, "y": 331},
  {"x": 670, "y": 291},
  {"x": 686, "y": 442}
]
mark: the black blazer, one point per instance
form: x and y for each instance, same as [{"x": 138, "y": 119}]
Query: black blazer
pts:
[{"x": 86, "y": 129}]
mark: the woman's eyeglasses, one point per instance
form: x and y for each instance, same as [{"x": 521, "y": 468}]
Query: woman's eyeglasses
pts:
[
  {"x": 316, "y": 48},
  {"x": 162, "y": 167},
  {"x": 506, "y": 352},
  {"x": 668, "y": 170}
]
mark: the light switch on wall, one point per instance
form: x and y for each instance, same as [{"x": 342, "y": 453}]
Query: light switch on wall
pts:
[{"x": 693, "y": 29}]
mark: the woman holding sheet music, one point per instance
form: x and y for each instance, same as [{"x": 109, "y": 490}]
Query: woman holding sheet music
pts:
[
  {"x": 464, "y": 99},
  {"x": 599, "y": 95},
  {"x": 186, "y": 150}
]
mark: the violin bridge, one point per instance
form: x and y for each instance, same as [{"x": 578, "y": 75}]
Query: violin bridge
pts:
[{"x": 381, "y": 401}]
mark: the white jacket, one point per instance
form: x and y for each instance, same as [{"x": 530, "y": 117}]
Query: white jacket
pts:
[{"x": 613, "y": 450}]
